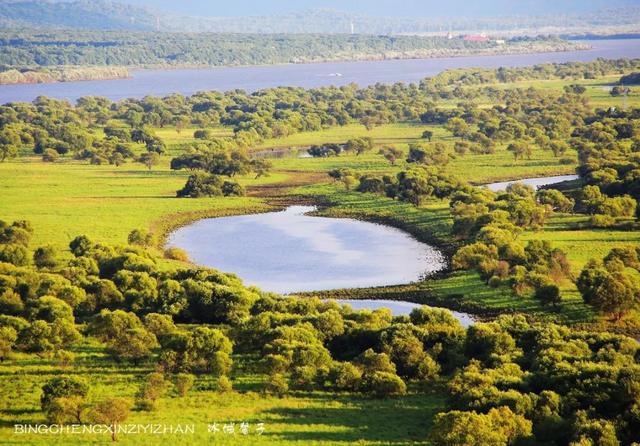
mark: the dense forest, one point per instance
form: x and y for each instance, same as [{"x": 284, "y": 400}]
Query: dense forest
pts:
[{"x": 29, "y": 48}]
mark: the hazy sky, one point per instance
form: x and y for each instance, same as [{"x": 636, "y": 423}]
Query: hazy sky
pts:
[{"x": 422, "y": 8}]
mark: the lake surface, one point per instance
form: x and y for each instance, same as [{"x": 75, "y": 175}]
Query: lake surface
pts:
[
  {"x": 399, "y": 308},
  {"x": 288, "y": 251},
  {"x": 533, "y": 182},
  {"x": 190, "y": 81}
]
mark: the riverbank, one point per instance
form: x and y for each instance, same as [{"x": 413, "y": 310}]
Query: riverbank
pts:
[
  {"x": 44, "y": 75},
  {"x": 54, "y": 74}
]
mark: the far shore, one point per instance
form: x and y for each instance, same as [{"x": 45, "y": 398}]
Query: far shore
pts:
[{"x": 57, "y": 74}]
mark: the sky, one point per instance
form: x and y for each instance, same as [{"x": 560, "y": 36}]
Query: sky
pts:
[{"x": 422, "y": 8}]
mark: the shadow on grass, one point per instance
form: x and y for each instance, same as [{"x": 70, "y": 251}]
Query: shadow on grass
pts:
[{"x": 349, "y": 419}]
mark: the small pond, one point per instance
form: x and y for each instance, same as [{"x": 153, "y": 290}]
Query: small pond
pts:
[{"x": 289, "y": 251}]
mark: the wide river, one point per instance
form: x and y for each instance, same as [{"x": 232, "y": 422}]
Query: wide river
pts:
[
  {"x": 189, "y": 81},
  {"x": 289, "y": 251}
]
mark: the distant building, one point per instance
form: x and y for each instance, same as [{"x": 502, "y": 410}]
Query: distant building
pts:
[{"x": 477, "y": 38}]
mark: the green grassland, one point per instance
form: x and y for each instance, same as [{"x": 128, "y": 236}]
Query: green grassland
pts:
[
  {"x": 301, "y": 418},
  {"x": 597, "y": 90},
  {"x": 477, "y": 169},
  {"x": 102, "y": 202}
]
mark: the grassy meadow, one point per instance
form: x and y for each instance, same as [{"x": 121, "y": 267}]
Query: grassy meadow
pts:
[{"x": 300, "y": 418}]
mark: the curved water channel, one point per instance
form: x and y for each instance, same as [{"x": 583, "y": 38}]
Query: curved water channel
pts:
[
  {"x": 533, "y": 182},
  {"x": 290, "y": 251}
]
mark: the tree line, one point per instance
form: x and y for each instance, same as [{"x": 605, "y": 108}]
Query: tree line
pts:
[{"x": 28, "y": 48}]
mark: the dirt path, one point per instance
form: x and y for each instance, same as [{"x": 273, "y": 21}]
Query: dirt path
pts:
[{"x": 295, "y": 178}]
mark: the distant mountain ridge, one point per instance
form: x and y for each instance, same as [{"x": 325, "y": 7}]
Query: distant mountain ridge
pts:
[
  {"x": 78, "y": 14},
  {"x": 112, "y": 15}
]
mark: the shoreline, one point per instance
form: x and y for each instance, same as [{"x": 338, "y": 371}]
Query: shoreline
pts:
[{"x": 565, "y": 46}]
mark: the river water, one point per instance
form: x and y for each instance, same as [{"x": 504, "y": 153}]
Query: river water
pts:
[
  {"x": 399, "y": 308},
  {"x": 533, "y": 182},
  {"x": 189, "y": 81}
]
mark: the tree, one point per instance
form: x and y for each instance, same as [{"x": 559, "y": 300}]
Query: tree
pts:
[
  {"x": 555, "y": 199},
  {"x": 619, "y": 90},
  {"x": 359, "y": 145},
  {"x": 80, "y": 246},
  {"x": 558, "y": 148},
  {"x": 124, "y": 333},
  {"x": 372, "y": 184},
  {"x": 461, "y": 147},
  {"x": 224, "y": 384},
  {"x": 203, "y": 134},
  {"x": 575, "y": 88},
  {"x": 427, "y": 134},
  {"x": 66, "y": 409},
  {"x": 61, "y": 387},
  {"x": 391, "y": 154},
  {"x": 325, "y": 151},
  {"x": 345, "y": 376},
  {"x": 8, "y": 336},
  {"x": 499, "y": 427},
  {"x": 434, "y": 155},
  {"x": 149, "y": 159},
  {"x": 548, "y": 295},
  {"x": 9, "y": 142},
  {"x": 520, "y": 149},
  {"x": 232, "y": 189},
  {"x": 111, "y": 412},
  {"x": 184, "y": 382},
  {"x": 209, "y": 350},
  {"x": 151, "y": 389},
  {"x": 201, "y": 185},
  {"x": 384, "y": 385},
  {"x": 11, "y": 303},
  {"x": 458, "y": 127},
  {"x": 140, "y": 237},
  {"x": 261, "y": 167},
  {"x": 346, "y": 176},
  {"x": 45, "y": 257},
  {"x": 608, "y": 288},
  {"x": 276, "y": 384},
  {"x": 205, "y": 185},
  {"x": 44, "y": 337},
  {"x": 371, "y": 362},
  {"x": 50, "y": 156},
  {"x": 15, "y": 254}
]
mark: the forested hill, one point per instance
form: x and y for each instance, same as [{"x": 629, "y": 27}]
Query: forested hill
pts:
[
  {"x": 81, "y": 14},
  {"x": 120, "y": 48}
]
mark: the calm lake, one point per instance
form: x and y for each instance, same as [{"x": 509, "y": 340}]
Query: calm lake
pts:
[
  {"x": 288, "y": 251},
  {"x": 189, "y": 81}
]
